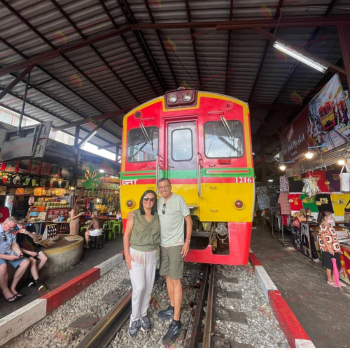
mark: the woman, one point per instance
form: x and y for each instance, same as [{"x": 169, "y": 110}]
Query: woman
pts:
[
  {"x": 94, "y": 229},
  {"x": 143, "y": 233},
  {"x": 329, "y": 246},
  {"x": 26, "y": 241},
  {"x": 74, "y": 219}
]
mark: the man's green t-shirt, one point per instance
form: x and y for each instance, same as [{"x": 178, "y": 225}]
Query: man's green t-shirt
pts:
[{"x": 172, "y": 221}]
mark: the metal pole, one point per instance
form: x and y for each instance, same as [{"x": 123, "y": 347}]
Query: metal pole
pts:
[{"x": 23, "y": 104}]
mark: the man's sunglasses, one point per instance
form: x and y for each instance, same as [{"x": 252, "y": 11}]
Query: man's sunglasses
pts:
[
  {"x": 149, "y": 199},
  {"x": 164, "y": 206}
]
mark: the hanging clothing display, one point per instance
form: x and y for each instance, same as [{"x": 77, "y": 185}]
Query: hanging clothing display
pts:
[
  {"x": 334, "y": 180},
  {"x": 320, "y": 177},
  {"x": 295, "y": 202},
  {"x": 310, "y": 186},
  {"x": 284, "y": 202},
  {"x": 296, "y": 183},
  {"x": 263, "y": 198},
  {"x": 339, "y": 202},
  {"x": 309, "y": 202},
  {"x": 324, "y": 202},
  {"x": 284, "y": 185}
]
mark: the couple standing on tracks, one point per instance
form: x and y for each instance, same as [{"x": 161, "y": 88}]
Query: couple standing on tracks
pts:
[{"x": 157, "y": 222}]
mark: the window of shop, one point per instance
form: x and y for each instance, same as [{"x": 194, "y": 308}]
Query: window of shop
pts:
[
  {"x": 181, "y": 145},
  {"x": 142, "y": 147},
  {"x": 218, "y": 141}
]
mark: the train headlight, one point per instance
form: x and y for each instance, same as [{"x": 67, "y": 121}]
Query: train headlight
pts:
[
  {"x": 186, "y": 97},
  {"x": 239, "y": 204},
  {"x": 172, "y": 98},
  {"x": 130, "y": 203}
]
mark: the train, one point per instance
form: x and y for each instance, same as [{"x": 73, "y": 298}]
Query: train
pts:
[{"x": 201, "y": 141}]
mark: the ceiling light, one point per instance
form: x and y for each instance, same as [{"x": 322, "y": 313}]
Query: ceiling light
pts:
[
  {"x": 300, "y": 57},
  {"x": 102, "y": 171},
  {"x": 282, "y": 167},
  {"x": 87, "y": 138},
  {"x": 309, "y": 155},
  {"x": 341, "y": 161},
  {"x": 270, "y": 180}
]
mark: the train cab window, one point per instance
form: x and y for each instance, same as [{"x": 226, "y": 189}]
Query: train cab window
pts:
[
  {"x": 181, "y": 145},
  {"x": 142, "y": 147},
  {"x": 224, "y": 141}
]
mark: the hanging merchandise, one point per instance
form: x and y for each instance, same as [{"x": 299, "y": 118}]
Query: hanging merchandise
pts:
[
  {"x": 320, "y": 177},
  {"x": 310, "y": 186},
  {"x": 347, "y": 215},
  {"x": 284, "y": 186},
  {"x": 263, "y": 198},
  {"x": 345, "y": 179},
  {"x": 339, "y": 202},
  {"x": 296, "y": 183},
  {"x": 284, "y": 202},
  {"x": 295, "y": 202},
  {"x": 309, "y": 202},
  {"x": 324, "y": 202},
  {"x": 333, "y": 178}
]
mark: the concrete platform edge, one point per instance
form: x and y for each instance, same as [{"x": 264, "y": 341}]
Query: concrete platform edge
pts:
[
  {"x": 23, "y": 318},
  {"x": 293, "y": 330}
]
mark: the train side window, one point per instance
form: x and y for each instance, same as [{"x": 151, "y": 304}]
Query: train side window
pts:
[
  {"x": 218, "y": 143},
  {"x": 139, "y": 148},
  {"x": 181, "y": 145}
]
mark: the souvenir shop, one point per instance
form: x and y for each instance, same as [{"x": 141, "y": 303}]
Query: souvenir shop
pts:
[{"x": 316, "y": 160}]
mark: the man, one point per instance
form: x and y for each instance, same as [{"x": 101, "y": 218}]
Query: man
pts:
[
  {"x": 10, "y": 253},
  {"x": 172, "y": 210}
]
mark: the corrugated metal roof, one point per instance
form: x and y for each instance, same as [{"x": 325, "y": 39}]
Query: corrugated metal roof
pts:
[{"x": 125, "y": 70}]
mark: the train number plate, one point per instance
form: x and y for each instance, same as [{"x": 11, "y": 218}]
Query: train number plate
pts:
[{"x": 243, "y": 180}]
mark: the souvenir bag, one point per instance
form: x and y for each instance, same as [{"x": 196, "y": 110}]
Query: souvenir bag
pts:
[
  {"x": 347, "y": 214},
  {"x": 284, "y": 185},
  {"x": 345, "y": 179}
]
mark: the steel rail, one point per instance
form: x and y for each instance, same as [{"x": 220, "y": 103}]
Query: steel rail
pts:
[
  {"x": 209, "y": 314},
  {"x": 194, "y": 331},
  {"x": 105, "y": 330}
]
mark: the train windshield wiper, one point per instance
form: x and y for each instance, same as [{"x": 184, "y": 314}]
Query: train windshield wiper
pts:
[
  {"x": 227, "y": 129},
  {"x": 145, "y": 134}
]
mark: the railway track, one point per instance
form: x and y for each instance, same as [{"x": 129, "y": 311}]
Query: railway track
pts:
[{"x": 226, "y": 307}]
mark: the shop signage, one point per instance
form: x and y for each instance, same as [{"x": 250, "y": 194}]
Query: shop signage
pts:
[{"x": 324, "y": 124}]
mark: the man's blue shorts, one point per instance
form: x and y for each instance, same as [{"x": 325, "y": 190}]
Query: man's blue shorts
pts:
[{"x": 14, "y": 263}]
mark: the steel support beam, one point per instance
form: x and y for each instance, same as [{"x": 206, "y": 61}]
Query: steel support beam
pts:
[
  {"x": 272, "y": 38},
  {"x": 333, "y": 21},
  {"x": 13, "y": 83},
  {"x": 267, "y": 125},
  {"x": 111, "y": 145},
  {"x": 344, "y": 39},
  {"x": 228, "y": 47},
  {"x": 76, "y": 138}
]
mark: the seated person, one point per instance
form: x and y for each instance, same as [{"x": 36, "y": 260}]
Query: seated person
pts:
[
  {"x": 119, "y": 215},
  {"x": 25, "y": 240},
  {"x": 10, "y": 253},
  {"x": 94, "y": 229}
]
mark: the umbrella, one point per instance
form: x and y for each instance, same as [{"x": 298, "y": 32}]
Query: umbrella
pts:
[{"x": 335, "y": 271}]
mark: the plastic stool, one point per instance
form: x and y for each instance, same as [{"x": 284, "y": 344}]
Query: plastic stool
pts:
[{"x": 97, "y": 241}]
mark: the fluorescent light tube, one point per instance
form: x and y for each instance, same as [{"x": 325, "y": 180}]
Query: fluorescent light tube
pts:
[
  {"x": 87, "y": 138},
  {"x": 291, "y": 52}
]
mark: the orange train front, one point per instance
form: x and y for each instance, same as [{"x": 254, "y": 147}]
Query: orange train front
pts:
[{"x": 201, "y": 141}]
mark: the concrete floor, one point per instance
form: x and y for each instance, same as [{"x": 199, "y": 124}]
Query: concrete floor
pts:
[
  {"x": 321, "y": 309},
  {"x": 91, "y": 258}
]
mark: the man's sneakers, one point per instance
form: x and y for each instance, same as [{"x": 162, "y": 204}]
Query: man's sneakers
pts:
[
  {"x": 166, "y": 314},
  {"x": 145, "y": 324},
  {"x": 40, "y": 285},
  {"x": 134, "y": 327},
  {"x": 30, "y": 281},
  {"x": 172, "y": 334}
]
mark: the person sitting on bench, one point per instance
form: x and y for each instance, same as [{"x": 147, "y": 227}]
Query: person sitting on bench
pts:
[{"x": 94, "y": 229}]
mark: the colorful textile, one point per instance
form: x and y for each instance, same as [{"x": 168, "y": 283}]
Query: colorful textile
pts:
[
  {"x": 339, "y": 202},
  {"x": 320, "y": 176},
  {"x": 334, "y": 180},
  {"x": 284, "y": 185},
  {"x": 296, "y": 183},
  {"x": 284, "y": 202},
  {"x": 309, "y": 202},
  {"x": 295, "y": 201},
  {"x": 324, "y": 202}
]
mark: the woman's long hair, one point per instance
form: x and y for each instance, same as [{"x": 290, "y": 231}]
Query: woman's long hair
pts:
[
  {"x": 154, "y": 208},
  {"x": 322, "y": 215}
]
